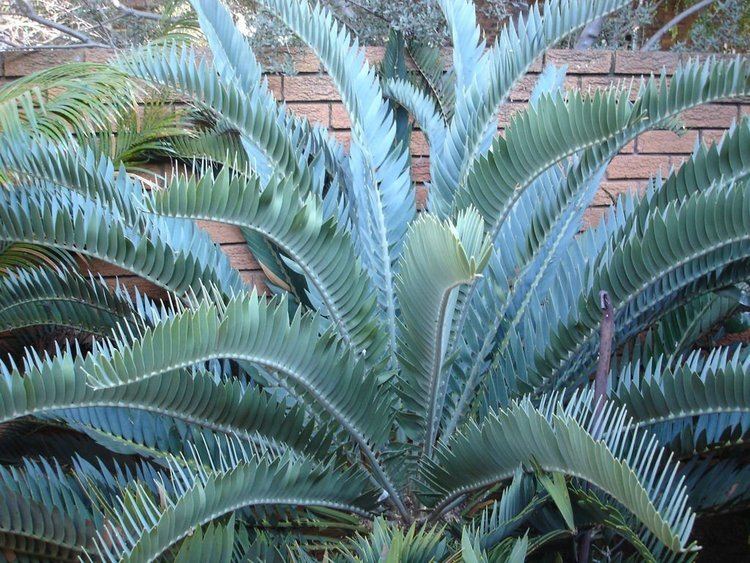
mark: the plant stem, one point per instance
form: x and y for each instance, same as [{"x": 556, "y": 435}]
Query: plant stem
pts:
[
  {"x": 656, "y": 37},
  {"x": 601, "y": 380},
  {"x": 606, "y": 337}
]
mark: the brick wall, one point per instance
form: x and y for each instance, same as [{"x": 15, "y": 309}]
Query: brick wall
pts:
[{"x": 311, "y": 93}]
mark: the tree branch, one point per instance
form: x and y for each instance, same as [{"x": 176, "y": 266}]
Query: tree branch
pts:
[
  {"x": 136, "y": 13},
  {"x": 32, "y": 48},
  {"x": 656, "y": 37},
  {"x": 590, "y": 34},
  {"x": 27, "y": 10}
]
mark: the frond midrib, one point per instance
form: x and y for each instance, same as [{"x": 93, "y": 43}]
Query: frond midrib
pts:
[{"x": 435, "y": 369}]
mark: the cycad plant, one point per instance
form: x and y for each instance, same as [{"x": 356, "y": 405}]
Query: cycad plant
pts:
[{"x": 419, "y": 386}]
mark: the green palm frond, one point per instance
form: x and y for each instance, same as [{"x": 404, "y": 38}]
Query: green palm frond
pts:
[
  {"x": 426, "y": 290},
  {"x": 714, "y": 166},
  {"x": 60, "y": 384},
  {"x": 599, "y": 511},
  {"x": 665, "y": 394},
  {"x": 421, "y": 106},
  {"x": 537, "y": 139},
  {"x": 73, "y": 98},
  {"x": 717, "y": 485},
  {"x": 215, "y": 543},
  {"x": 619, "y": 236},
  {"x": 43, "y": 296},
  {"x": 467, "y": 42},
  {"x": 146, "y": 529},
  {"x": 560, "y": 439},
  {"x": 498, "y": 521},
  {"x": 679, "y": 330},
  {"x": 381, "y": 218},
  {"x": 34, "y": 161},
  {"x": 57, "y": 220},
  {"x": 15, "y": 256},
  {"x": 389, "y": 543},
  {"x": 389, "y": 401},
  {"x": 637, "y": 271},
  {"x": 514, "y": 51},
  {"x": 327, "y": 377},
  {"x": 84, "y": 189},
  {"x": 239, "y": 329},
  {"x": 264, "y": 138},
  {"x": 45, "y": 514},
  {"x": 432, "y": 76},
  {"x": 659, "y": 101},
  {"x": 212, "y": 146},
  {"x": 140, "y": 135},
  {"x": 296, "y": 225}
]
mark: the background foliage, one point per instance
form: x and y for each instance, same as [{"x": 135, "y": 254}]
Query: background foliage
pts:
[{"x": 724, "y": 26}]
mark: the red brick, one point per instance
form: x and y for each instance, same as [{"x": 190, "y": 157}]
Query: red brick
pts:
[
  {"x": 275, "y": 84},
  {"x": 537, "y": 65},
  {"x": 523, "y": 88},
  {"x": 609, "y": 191},
  {"x": 745, "y": 109},
  {"x": 590, "y": 84},
  {"x": 446, "y": 58},
  {"x": 506, "y": 112},
  {"x": 340, "y": 117},
  {"x": 667, "y": 142},
  {"x": 592, "y": 217},
  {"x": 27, "y": 62},
  {"x": 639, "y": 62},
  {"x": 374, "y": 55},
  {"x": 105, "y": 269},
  {"x": 257, "y": 279},
  {"x": 421, "y": 193},
  {"x": 637, "y": 166},
  {"x": 580, "y": 61},
  {"x": 132, "y": 282},
  {"x": 152, "y": 174},
  {"x": 629, "y": 148},
  {"x": 309, "y": 88},
  {"x": 99, "y": 55},
  {"x": 678, "y": 160},
  {"x": 314, "y": 112},
  {"x": 239, "y": 256},
  {"x": 712, "y": 136},
  {"x": 294, "y": 59},
  {"x": 418, "y": 144},
  {"x": 221, "y": 232},
  {"x": 343, "y": 137},
  {"x": 709, "y": 116},
  {"x": 420, "y": 169},
  {"x": 305, "y": 60}
]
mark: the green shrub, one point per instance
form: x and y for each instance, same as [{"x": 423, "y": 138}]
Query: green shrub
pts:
[{"x": 418, "y": 388}]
